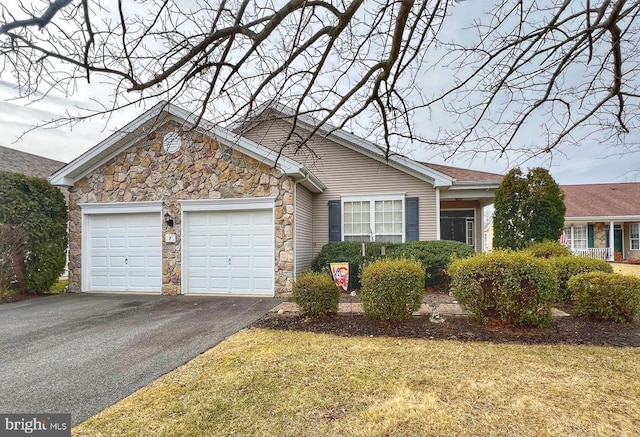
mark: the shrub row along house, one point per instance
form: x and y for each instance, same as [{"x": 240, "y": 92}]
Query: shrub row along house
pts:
[
  {"x": 602, "y": 216},
  {"x": 161, "y": 207}
]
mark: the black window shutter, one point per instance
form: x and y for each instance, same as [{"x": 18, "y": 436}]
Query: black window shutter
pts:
[
  {"x": 590, "y": 242},
  {"x": 411, "y": 219},
  {"x": 335, "y": 221}
]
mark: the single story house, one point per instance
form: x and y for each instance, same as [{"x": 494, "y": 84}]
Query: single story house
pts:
[
  {"x": 603, "y": 216},
  {"x": 163, "y": 207}
]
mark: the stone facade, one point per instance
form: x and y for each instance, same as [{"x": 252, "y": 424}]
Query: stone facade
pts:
[
  {"x": 200, "y": 169},
  {"x": 600, "y": 235}
]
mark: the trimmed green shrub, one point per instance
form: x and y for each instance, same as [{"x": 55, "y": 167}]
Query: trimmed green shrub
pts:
[
  {"x": 39, "y": 210},
  {"x": 392, "y": 289},
  {"x": 435, "y": 257},
  {"x": 351, "y": 252},
  {"x": 606, "y": 296},
  {"x": 548, "y": 249},
  {"x": 316, "y": 294},
  {"x": 568, "y": 266},
  {"x": 511, "y": 287}
]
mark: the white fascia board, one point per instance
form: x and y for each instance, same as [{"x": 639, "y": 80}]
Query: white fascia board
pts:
[
  {"x": 478, "y": 193},
  {"x": 618, "y": 218},
  {"x": 68, "y": 172},
  {"x": 365, "y": 147},
  {"x": 98, "y": 154}
]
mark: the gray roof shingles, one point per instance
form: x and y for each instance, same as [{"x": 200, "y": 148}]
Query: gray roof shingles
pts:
[{"x": 26, "y": 163}]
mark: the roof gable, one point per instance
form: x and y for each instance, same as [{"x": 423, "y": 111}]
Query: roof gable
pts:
[
  {"x": 160, "y": 114},
  {"x": 439, "y": 175},
  {"x": 353, "y": 142},
  {"x": 602, "y": 200},
  {"x": 16, "y": 161}
]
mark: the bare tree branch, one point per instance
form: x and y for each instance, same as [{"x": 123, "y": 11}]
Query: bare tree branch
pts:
[{"x": 568, "y": 71}]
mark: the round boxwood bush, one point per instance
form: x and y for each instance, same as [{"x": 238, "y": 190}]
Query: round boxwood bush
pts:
[
  {"x": 392, "y": 289},
  {"x": 548, "y": 249},
  {"x": 435, "y": 257},
  {"x": 513, "y": 288},
  {"x": 568, "y": 266},
  {"x": 316, "y": 294},
  {"x": 606, "y": 296}
]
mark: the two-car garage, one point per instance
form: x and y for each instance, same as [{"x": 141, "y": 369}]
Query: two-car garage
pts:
[{"x": 226, "y": 246}]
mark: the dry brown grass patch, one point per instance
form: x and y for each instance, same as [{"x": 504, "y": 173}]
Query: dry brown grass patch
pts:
[{"x": 262, "y": 382}]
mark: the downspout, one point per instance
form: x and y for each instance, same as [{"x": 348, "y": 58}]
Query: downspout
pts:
[{"x": 437, "y": 214}]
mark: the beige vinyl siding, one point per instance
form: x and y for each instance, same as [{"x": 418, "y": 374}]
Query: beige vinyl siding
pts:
[
  {"x": 346, "y": 172},
  {"x": 303, "y": 228}
]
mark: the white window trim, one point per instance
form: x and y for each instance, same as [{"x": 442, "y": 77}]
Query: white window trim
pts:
[
  {"x": 372, "y": 198},
  {"x": 473, "y": 228},
  {"x": 631, "y": 240},
  {"x": 571, "y": 234}
]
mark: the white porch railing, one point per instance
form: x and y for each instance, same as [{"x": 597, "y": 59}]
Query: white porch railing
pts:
[{"x": 593, "y": 252}]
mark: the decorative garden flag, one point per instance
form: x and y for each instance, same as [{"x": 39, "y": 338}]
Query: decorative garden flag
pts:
[{"x": 340, "y": 273}]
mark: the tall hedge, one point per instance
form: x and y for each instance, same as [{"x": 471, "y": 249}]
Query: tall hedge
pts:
[
  {"x": 38, "y": 209},
  {"x": 351, "y": 252},
  {"x": 435, "y": 256}
]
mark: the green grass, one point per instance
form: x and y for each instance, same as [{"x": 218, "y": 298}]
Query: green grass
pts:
[
  {"x": 262, "y": 382},
  {"x": 59, "y": 287}
]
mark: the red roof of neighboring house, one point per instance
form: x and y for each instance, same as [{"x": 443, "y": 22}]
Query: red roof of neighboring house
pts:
[
  {"x": 602, "y": 200},
  {"x": 465, "y": 174}
]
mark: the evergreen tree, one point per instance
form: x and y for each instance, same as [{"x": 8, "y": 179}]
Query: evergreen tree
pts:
[{"x": 528, "y": 209}]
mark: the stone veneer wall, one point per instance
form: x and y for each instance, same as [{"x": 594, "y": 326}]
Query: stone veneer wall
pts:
[
  {"x": 202, "y": 170},
  {"x": 600, "y": 235}
]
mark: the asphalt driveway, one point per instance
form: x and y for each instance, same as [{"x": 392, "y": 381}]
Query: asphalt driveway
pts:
[{"x": 79, "y": 353}]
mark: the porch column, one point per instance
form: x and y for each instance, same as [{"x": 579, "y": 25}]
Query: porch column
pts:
[
  {"x": 571, "y": 231},
  {"x": 610, "y": 255}
]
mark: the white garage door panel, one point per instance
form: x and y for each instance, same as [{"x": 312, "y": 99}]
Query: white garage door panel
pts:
[
  {"x": 230, "y": 252},
  {"x": 125, "y": 252}
]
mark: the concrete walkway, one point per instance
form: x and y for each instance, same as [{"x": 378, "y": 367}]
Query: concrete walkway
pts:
[{"x": 445, "y": 309}]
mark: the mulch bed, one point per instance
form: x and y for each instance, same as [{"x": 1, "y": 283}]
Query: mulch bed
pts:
[
  {"x": 18, "y": 297},
  {"x": 563, "y": 330}
]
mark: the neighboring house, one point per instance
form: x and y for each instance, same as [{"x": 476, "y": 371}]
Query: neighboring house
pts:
[
  {"x": 25, "y": 163},
  {"x": 487, "y": 238},
  {"x": 161, "y": 207},
  {"x": 601, "y": 216}
]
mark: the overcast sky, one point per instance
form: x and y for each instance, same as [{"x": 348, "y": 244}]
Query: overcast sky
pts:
[{"x": 588, "y": 163}]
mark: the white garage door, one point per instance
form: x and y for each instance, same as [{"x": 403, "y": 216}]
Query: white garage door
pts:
[
  {"x": 230, "y": 252},
  {"x": 125, "y": 252}
]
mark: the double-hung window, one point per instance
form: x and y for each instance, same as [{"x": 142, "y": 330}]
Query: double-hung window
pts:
[
  {"x": 373, "y": 218},
  {"x": 577, "y": 236},
  {"x": 634, "y": 236}
]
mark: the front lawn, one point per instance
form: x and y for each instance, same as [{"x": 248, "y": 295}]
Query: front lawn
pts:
[
  {"x": 626, "y": 269},
  {"x": 276, "y": 383}
]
